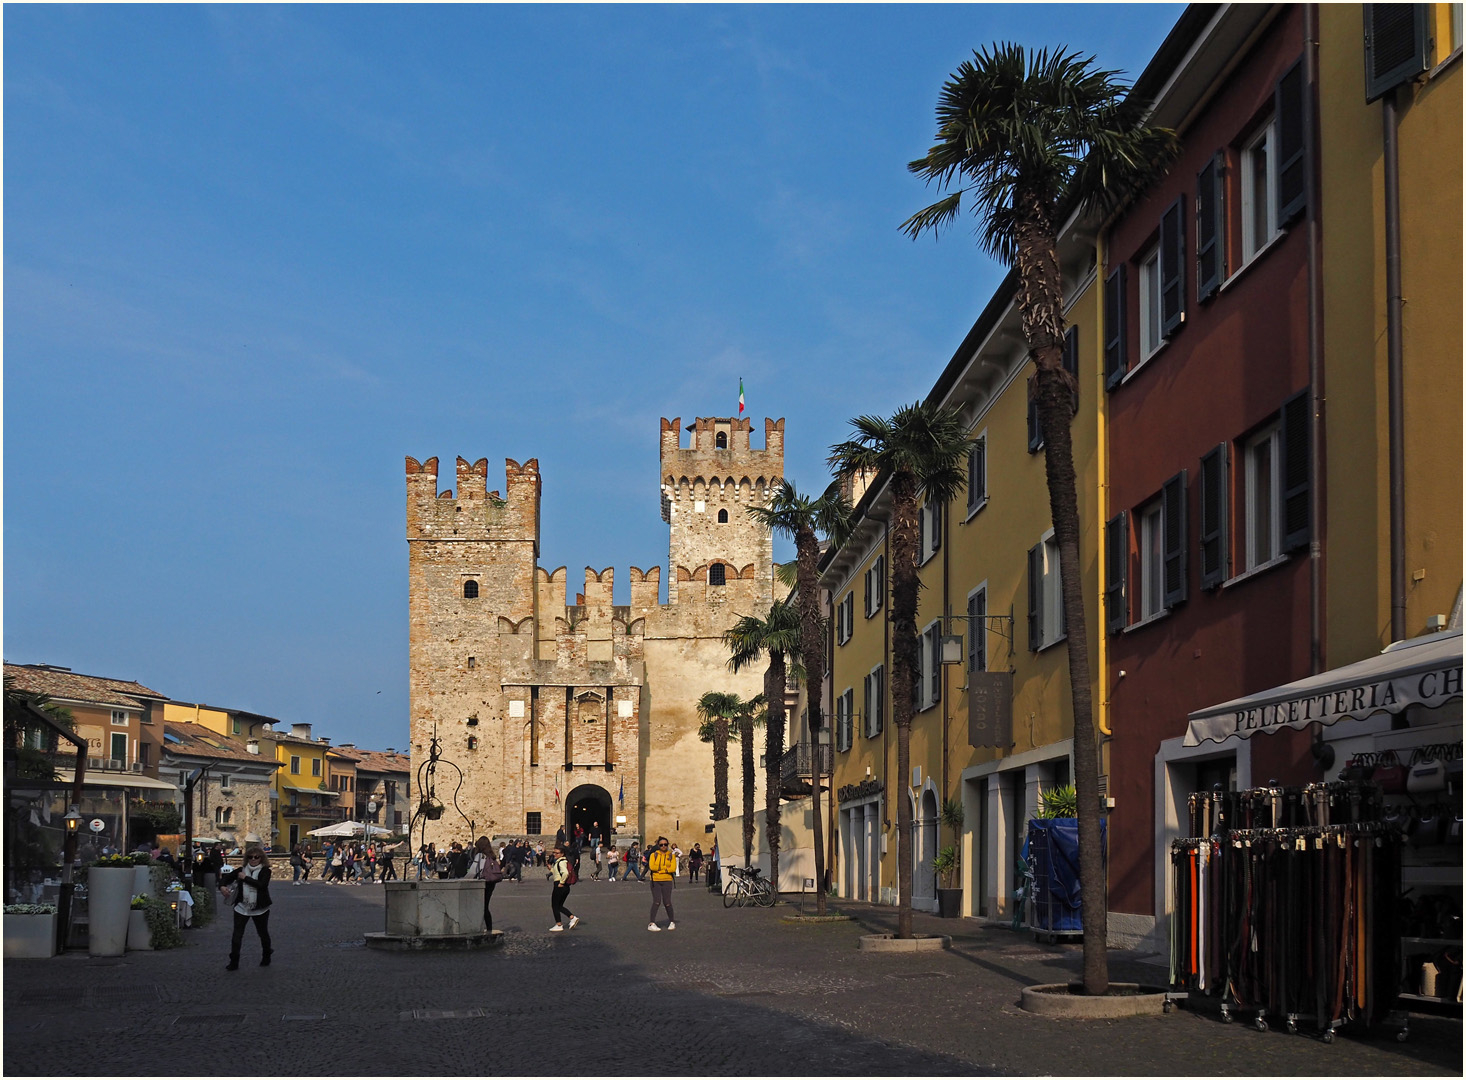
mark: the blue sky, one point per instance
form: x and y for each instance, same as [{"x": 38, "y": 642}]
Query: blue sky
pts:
[{"x": 256, "y": 255}]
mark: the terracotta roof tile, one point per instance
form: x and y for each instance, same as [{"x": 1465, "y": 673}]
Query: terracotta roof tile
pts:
[
  {"x": 76, "y": 687},
  {"x": 199, "y": 741}
]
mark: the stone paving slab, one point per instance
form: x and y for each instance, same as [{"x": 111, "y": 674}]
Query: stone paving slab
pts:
[{"x": 729, "y": 992}]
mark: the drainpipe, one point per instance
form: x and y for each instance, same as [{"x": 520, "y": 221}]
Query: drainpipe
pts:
[
  {"x": 1394, "y": 312},
  {"x": 946, "y": 622}
]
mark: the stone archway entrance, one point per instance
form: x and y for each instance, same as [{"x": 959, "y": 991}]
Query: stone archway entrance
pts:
[{"x": 588, "y": 805}]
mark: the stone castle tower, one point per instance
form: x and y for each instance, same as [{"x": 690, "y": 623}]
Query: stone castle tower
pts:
[{"x": 561, "y": 713}]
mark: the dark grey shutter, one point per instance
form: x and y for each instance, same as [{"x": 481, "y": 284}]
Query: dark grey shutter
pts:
[
  {"x": 1289, "y": 103},
  {"x": 935, "y": 633},
  {"x": 977, "y": 628},
  {"x": 1211, "y": 226},
  {"x": 880, "y": 699},
  {"x": 1115, "y": 358},
  {"x": 1035, "y": 437},
  {"x": 1071, "y": 360},
  {"x": 1173, "y": 540},
  {"x": 1117, "y": 562},
  {"x": 976, "y": 473},
  {"x": 937, "y": 510},
  {"x": 1396, "y": 43},
  {"x": 1173, "y": 267},
  {"x": 1035, "y": 596},
  {"x": 1295, "y": 428},
  {"x": 1214, "y": 517}
]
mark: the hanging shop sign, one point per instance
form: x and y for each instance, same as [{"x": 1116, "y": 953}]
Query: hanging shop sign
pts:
[{"x": 990, "y": 709}]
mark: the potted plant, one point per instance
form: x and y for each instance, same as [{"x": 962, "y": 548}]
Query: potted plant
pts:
[
  {"x": 432, "y": 809},
  {"x": 109, "y": 899},
  {"x": 30, "y": 930},
  {"x": 139, "y": 937},
  {"x": 949, "y": 894}
]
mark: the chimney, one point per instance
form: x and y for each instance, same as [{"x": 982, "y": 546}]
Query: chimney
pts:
[
  {"x": 347, "y": 745},
  {"x": 253, "y": 746},
  {"x": 390, "y": 750},
  {"x": 300, "y": 731}
]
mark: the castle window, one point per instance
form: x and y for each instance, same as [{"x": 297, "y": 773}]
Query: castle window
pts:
[
  {"x": 473, "y": 742},
  {"x": 470, "y": 590},
  {"x": 471, "y": 663},
  {"x": 722, "y": 440},
  {"x": 716, "y": 574},
  {"x": 722, "y": 517},
  {"x": 532, "y": 823}
]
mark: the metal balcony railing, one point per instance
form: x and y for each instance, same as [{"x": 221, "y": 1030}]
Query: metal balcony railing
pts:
[{"x": 796, "y": 767}]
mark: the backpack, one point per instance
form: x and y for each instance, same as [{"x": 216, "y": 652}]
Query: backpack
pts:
[
  {"x": 490, "y": 871},
  {"x": 573, "y": 878}
]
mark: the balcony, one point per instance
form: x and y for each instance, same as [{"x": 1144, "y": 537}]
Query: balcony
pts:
[
  {"x": 795, "y": 771},
  {"x": 311, "y": 813}
]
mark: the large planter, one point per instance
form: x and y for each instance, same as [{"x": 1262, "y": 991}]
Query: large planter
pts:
[
  {"x": 109, "y": 903},
  {"x": 949, "y": 903},
  {"x": 139, "y": 937},
  {"x": 142, "y": 880},
  {"x": 30, "y": 936}
]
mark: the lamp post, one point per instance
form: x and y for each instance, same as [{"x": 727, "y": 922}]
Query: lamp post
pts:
[{"x": 366, "y": 827}]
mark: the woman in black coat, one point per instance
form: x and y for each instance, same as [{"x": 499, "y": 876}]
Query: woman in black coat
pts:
[{"x": 251, "y": 903}]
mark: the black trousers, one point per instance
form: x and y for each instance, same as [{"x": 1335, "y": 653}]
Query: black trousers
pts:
[
  {"x": 488, "y": 895},
  {"x": 558, "y": 895},
  {"x": 262, "y": 927}
]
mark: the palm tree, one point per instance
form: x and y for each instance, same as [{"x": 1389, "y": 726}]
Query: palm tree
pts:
[
  {"x": 1032, "y": 138},
  {"x": 715, "y": 709},
  {"x": 750, "y": 713},
  {"x": 802, "y": 519},
  {"x": 922, "y": 450},
  {"x": 749, "y": 638}
]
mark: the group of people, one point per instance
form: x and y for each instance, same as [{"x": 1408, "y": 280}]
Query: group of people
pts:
[
  {"x": 660, "y": 862},
  {"x": 347, "y": 862}
]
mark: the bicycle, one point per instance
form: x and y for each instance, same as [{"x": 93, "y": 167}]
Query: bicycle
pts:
[{"x": 747, "y": 886}]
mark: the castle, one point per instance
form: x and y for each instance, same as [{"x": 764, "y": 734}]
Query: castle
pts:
[{"x": 565, "y": 714}]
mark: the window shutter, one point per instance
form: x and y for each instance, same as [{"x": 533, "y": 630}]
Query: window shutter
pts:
[
  {"x": 1214, "y": 517},
  {"x": 936, "y": 525},
  {"x": 977, "y": 625},
  {"x": 1173, "y": 267},
  {"x": 1295, "y": 430},
  {"x": 1289, "y": 103},
  {"x": 1071, "y": 360},
  {"x": 880, "y": 689},
  {"x": 865, "y": 699},
  {"x": 1035, "y": 438},
  {"x": 1211, "y": 223},
  {"x": 1173, "y": 540},
  {"x": 1035, "y": 596},
  {"x": 976, "y": 473},
  {"x": 1115, "y": 359},
  {"x": 1396, "y": 41},
  {"x": 1117, "y": 562},
  {"x": 935, "y": 663}
]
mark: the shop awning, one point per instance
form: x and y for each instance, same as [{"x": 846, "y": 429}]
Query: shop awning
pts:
[
  {"x": 119, "y": 779},
  {"x": 1420, "y": 671}
]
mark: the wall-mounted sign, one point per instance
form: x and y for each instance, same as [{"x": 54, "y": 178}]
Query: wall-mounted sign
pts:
[{"x": 990, "y": 708}]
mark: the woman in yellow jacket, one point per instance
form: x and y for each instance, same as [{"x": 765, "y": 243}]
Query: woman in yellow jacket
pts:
[{"x": 663, "y": 866}]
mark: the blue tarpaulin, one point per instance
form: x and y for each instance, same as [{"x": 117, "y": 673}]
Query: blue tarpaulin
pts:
[{"x": 1052, "y": 849}]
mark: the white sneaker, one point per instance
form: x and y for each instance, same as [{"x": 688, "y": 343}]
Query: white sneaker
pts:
[
  {"x": 557, "y": 929},
  {"x": 653, "y": 926},
  {"x": 671, "y": 926},
  {"x": 574, "y": 922}
]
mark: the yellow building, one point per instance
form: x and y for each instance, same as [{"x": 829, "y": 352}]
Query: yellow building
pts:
[
  {"x": 306, "y": 799},
  {"x": 989, "y": 566},
  {"x": 1356, "y": 327}
]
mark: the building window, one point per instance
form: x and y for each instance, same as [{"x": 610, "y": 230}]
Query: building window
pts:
[
  {"x": 390, "y": 787},
  {"x": 473, "y": 742},
  {"x": 226, "y": 782},
  {"x": 929, "y": 685},
  {"x": 875, "y": 701},
  {"x": 294, "y": 765},
  {"x": 315, "y": 766},
  {"x": 845, "y": 618},
  {"x": 722, "y": 517},
  {"x": 144, "y": 753},
  {"x": 1150, "y": 302},
  {"x": 119, "y": 717},
  {"x": 721, "y": 440},
  {"x": 1045, "y": 598},
  {"x": 875, "y": 586},
  {"x": 844, "y": 706},
  {"x": 977, "y": 473},
  {"x": 532, "y": 823},
  {"x": 472, "y": 663},
  {"x": 717, "y": 575},
  {"x": 238, "y": 727},
  {"x": 1150, "y": 560},
  {"x": 1260, "y": 503},
  {"x": 1259, "y": 192},
  {"x": 977, "y": 630},
  {"x": 223, "y": 815},
  {"x": 931, "y": 529},
  {"x": 397, "y": 819},
  {"x": 119, "y": 747},
  {"x": 470, "y": 590}
]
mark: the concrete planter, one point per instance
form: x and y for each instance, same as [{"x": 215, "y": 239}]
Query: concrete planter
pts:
[
  {"x": 891, "y": 943},
  {"x": 142, "y": 880},
  {"x": 109, "y": 903},
  {"x": 949, "y": 903},
  {"x": 30, "y": 936},
  {"x": 1065, "y": 1000},
  {"x": 139, "y": 937}
]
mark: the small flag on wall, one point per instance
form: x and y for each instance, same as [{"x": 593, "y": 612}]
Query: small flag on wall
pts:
[
  {"x": 557, "y": 796},
  {"x": 621, "y": 794},
  {"x": 740, "y": 397}
]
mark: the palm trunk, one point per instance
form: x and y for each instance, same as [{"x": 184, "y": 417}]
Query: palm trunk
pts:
[
  {"x": 905, "y": 658},
  {"x": 812, "y": 645},
  {"x": 1041, "y": 300},
  {"x": 745, "y": 739},
  {"x": 720, "y": 765},
  {"x": 774, "y": 680}
]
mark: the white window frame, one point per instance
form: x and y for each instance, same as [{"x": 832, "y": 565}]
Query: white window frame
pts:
[
  {"x": 294, "y": 764},
  {"x": 1150, "y": 536},
  {"x": 316, "y": 769},
  {"x": 844, "y": 708},
  {"x": 1259, "y": 489},
  {"x": 1152, "y": 337},
  {"x": 845, "y": 618},
  {"x": 119, "y": 717},
  {"x": 978, "y": 628},
  {"x": 874, "y": 721},
  {"x": 930, "y": 659},
  {"x": 980, "y": 440},
  {"x": 1265, "y": 202},
  {"x": 1054, "y": 627},
  {"x": 875, "y": 586},
  {"x": 930, "y": 531}
]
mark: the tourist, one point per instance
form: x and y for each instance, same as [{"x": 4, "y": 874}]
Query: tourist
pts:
[
  {"x": 677, "y": 854},
  {"x": 633, "y": 864},
  {"x": 560, "y": 837},
  {"x": 350, "y": 864},
  {"x": 298, "y": 864},
  {"x": 694, "y": 861},
  {"x": 486, "y": 867},
  {"x": 613, "y": 859},
  {"x": 595, "y": 854},
  {"x": 389, "y": 871},
  {"x": 663, "y": 865},
  {"x": 563, "y": 876},
  {"x": 251, "y": 904},
  {"x": 337, "y": 873}
]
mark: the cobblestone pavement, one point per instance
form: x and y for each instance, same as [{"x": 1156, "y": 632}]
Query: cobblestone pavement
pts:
[{"x": 728, "y": 992}]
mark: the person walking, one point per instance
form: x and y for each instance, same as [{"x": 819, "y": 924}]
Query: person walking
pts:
[
  {"x": 613, "y": 859},
  {"x": 251, "y": 902},
  {"x": 563, "y": 876},
  {"x": 663, "y": 866},
  {"x": 694, "y": 861},
  {"x": 595, "y": 870},
  {"x": 389, "y": 869},
  {"x": 350, "y": 865},
  {"x": 337, "y": 874},
  {"x": 633, "y": 864},
  {"x": 486, "y": 867},
  {"x": 298, "y": 864}
]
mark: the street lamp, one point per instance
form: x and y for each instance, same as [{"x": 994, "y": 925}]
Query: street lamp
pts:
[{"x": 73, "y": 821}]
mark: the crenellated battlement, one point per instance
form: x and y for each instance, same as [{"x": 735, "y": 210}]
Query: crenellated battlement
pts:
[
  {"x": 721, "y": 446},
  {"x": 475, "y": 512}
]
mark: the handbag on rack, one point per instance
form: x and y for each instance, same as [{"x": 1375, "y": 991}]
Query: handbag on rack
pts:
[
  {"x": 1427, "y": 771},
  {"x": 1389, "y": 774},
  {"x": 1360, "y": 767}
]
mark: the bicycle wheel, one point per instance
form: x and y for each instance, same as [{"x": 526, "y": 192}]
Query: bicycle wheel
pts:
[
  {"x": 732, "y": 894},
  {"x": 764, "y": 894}
]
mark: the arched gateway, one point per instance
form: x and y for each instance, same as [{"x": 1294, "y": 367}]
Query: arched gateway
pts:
[{"x": 588, "y": 806}]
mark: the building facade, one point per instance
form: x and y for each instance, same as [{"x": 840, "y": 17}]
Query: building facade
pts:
[
  {"x": 233, "y": 800},
  {"x": 584, "y": 713}
]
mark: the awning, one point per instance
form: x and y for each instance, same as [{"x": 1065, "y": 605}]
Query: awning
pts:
[
  {"x": 312, "y": 790},
  {"x": 118, "y": 779},
  {"x": 1422, "y": 671}
]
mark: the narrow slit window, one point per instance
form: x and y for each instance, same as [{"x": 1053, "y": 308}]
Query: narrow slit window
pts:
[{"x": 722, "y": 517}]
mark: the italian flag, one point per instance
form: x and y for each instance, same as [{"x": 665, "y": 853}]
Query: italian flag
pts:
[{"x": 740, "y": 397}]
